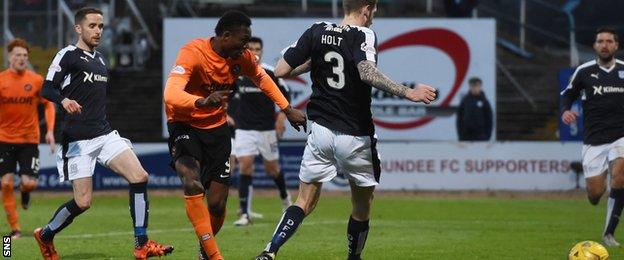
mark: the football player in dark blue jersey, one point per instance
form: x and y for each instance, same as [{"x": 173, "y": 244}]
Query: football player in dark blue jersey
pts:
[
  {"x": 342, "y": 59},
  {"x": 258, "y": 128},
  {"x": 77, "y": 80},
  {"x": 600, "y": 83}
]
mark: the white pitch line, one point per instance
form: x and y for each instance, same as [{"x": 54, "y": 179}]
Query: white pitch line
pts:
[{"x": 152, "y": 231}]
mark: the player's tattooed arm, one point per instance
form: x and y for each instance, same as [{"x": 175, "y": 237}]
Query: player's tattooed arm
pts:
[
  {"x": 375, "y": 78},
  {"x": 372, "y": 76}
]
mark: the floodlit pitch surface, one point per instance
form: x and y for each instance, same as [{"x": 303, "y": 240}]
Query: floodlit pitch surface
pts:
[{"x": 403, "y": 226}]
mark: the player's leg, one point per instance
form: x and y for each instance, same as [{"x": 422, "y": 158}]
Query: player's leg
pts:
[
  {"x": 117, "y": 155},
  {"x": 64, "y": 216},
  {"x": 186, "y": 151},
  {"x": 8, "y": 202},
  {"x": 74, "y": 166},
  {"x": 218, "y": 174},
  {"x": 596, "y": 187},
  {"x": 318, "y": 165},
  {"x": 362, "y": 168},
  {"x": 245, "y": 188},
  {"x": 246, "y": 150},
  {"x": 270, "y": 152},
  {"x": 8, "y": 165},
  {"x": 357, "y": 229},
  {"x": 293, "y": 216},
  {"x": 28, "y": 159},
  {"x": 595, "y": 167},
  {"x": 616, "y": 200}
]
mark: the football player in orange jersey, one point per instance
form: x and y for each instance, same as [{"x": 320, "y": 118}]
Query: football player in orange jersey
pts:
[
  {"x": 19, "y": 129},
  {"x": 199, "y": 140}
]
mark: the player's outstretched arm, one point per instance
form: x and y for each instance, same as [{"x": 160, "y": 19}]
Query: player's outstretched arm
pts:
[
  {"x": 372, "y": 76},
  {"x": 284, "y": 70}
]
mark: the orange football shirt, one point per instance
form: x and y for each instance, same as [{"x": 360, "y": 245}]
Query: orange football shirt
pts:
[
  {"x": 198, "y": 72},
  {"x": 19, "y": 98}
]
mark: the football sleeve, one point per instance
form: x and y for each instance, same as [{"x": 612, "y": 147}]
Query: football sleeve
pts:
[
  {"x": 572, "y": 92},
  {"x": 364, "y": 46},
  {"x": 175, "y": 94},
  {"x": 58, "y": 77},
  {"x": 299, "y": 52}
]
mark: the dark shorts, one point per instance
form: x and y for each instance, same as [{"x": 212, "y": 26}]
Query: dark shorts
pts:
[
  {"x": 211, "y": 147},
  {"x": 26, "y": 155}
]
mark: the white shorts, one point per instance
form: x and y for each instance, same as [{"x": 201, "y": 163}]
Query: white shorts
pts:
[
  {"x": 328, "y": 152},
  {"x": 77, "y": 159},
  {"x": 252, "y": 142},
  {"x": 232, "y": 152},
  {"x": 596, "y": 158}
]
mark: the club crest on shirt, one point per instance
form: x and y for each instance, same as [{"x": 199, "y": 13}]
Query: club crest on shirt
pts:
[
  {"x": 28, "y": 87},
  {"x": 235, "y": 68},
  {"x": 621, "y": 74}
]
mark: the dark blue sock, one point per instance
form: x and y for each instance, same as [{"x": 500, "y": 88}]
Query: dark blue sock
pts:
[
  {"x": 139, "y": 206},
  {"x": 293, "y": 216},
  {"x": 243, "y": 192},
  {"x": 63, "y": 216},
  {"x": 616, "y": 198},
  {"x": 357, "y": 231}
]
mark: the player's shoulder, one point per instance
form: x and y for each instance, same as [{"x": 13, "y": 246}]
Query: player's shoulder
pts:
[
  {"x": 619, "y": 62},
  {"x": 34, "y": 75},
  {"x": 362, "y": 29},
  {"x": 586, "y": 66},
  {"x": 68, "y": 50}
]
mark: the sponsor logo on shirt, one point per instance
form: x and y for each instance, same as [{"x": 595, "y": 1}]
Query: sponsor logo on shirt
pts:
[
  {"x": 55, "y": 67},
  {"x": 16, "y": 100},
  {"x": 600, "y": 90},
  {"x": 90, "y": 76},
  {"x": 177, "y": 69}
]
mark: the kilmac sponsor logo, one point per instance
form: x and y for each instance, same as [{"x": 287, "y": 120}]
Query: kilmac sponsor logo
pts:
[
  {"x": 90, "y": 76},
  {"x": 600, "y": 90}
]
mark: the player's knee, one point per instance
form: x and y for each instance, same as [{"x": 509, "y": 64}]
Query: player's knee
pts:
[
  {"x": 7, "y": 183},
  {"x": 191, "y": 186},
  {"x": 594, "y": 195},
  {"x": 246, "y": 168},
  {"x": 83, "y": 203},
  {"x": 139, "y": 176},
  {"x": 28, "y": 185},
  {"x": 217, "y": 208},
  {"x": 593, "y": 200},
  {"x": 617, "y": 181}
]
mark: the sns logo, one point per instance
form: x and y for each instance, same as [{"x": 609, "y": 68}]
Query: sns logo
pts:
[{"x": 91, "y": 77}]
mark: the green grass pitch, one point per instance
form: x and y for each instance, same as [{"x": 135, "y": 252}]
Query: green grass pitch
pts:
[{"x": 403, "y": 226}]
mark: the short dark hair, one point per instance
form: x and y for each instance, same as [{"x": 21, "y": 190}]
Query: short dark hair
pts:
[
  {"x": 256, "y": 39},
  {"x": 82, "y": 13},
  {"x": 231, "y": 20},
  {"x": 350, "y": 6},
  {"x": 18, "y": 42},
  {"x": 475, "y": 80},
  {"x": 610, "y": 30}
]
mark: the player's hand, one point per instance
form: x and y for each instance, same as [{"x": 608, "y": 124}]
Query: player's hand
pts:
[
  {"x": 296, "y": 118},
  {"x": 230, "y": 121},
  {"x": 49, "y": 138},
  {"x": 422, "y": 93},
  {"x": 71, "y": 106},
  {"x": 280, "y": 127},
  {"x": 568, "y": 117},
  {"x": 215, "y": 99}
]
